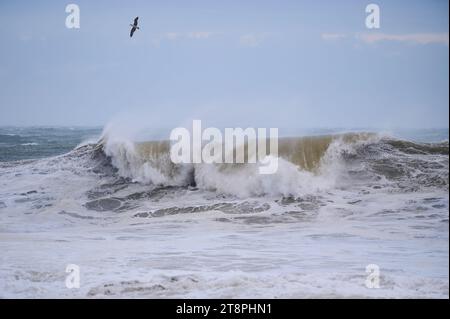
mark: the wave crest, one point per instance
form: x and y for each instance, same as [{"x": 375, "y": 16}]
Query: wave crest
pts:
[{"x": 305, "y": 163}]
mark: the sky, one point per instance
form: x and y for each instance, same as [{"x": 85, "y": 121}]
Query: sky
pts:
[{"x": 286, "y": 64}]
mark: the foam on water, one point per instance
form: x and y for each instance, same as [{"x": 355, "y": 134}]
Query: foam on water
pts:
[{"x": 139, "y": 226}]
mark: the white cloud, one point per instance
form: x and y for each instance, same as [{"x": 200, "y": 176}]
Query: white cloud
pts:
[
  {"x": 414, "y": 38},
  {"x": 333, "y": 36},
  {"x": 172, "y": 35},
  {"x": 252, "y": 39},
  {"x": 197, "y": 35},
  {"x": 371, "y": 38},
  {"x": 200, "y": 35}
]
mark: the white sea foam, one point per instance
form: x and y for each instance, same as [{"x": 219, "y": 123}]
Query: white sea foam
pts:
[{"x": 298, "y": 233}]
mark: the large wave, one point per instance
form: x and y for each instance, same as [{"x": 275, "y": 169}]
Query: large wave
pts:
[{"x": 305, "y": 164}]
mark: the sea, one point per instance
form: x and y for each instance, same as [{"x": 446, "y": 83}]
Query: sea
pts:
[{"x": 350, "y": 213}]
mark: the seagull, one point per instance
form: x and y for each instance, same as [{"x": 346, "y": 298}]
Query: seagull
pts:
[{"x": 134, "y": 26}]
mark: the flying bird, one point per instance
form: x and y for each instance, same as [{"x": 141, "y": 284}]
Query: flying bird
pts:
[{"x": 134, "y": 26}]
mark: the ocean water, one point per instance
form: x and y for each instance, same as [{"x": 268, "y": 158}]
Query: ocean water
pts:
[{"x": 139, "y": 226}]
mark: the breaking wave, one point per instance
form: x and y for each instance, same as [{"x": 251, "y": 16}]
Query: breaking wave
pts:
[{"x": 305, "y": 164}]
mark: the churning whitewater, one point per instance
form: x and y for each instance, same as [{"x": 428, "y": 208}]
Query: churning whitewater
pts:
[{"x": 138, "y": 225}]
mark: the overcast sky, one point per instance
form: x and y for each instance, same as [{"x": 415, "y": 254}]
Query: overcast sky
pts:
[{"x": 229, "y": 63}]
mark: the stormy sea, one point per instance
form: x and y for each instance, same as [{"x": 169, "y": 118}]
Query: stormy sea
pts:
[{"x": 138, "y": 225}]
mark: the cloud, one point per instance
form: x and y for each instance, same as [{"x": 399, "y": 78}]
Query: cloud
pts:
[
  {"x": 414, "y": 38},
  {"x": 333, "y": 36},
  {"x": 172, "y": 35},
  {"x": 371, "y": 38},
  {"x": 200, "y": 35},
  {"x": 197, "y": 35},
  {"x": 252, "y": 39}
]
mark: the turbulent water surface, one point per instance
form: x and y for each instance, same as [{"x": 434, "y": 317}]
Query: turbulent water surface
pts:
[{"x": 139, "y": 226}]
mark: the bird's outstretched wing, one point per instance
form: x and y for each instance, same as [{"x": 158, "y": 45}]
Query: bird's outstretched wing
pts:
[
  {"x": 136, "y": 21},
  {"x": 132, "y": 31}
]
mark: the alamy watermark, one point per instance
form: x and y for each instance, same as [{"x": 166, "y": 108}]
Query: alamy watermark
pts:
[
  {"x": 373, "y": 19},
  {"x": 236, "y": 145},
  {"x": 73, "y": 277},
  {"x": 373, "y": 277},
  {"x": 73, "y": 19}
]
